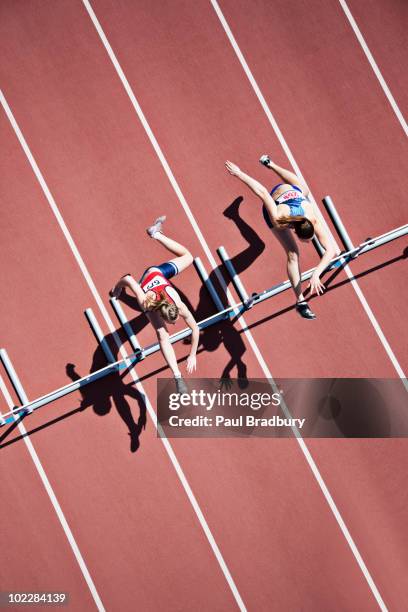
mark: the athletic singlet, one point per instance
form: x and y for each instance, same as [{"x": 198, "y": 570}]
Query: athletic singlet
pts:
[
  {"x": 292, "y": 198},
  {"x": 154, "y": 280}
]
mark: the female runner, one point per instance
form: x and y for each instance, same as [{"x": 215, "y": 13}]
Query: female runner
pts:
[
  {"x": 284, "y": 209},
  {"x": 161, "y": 302}
]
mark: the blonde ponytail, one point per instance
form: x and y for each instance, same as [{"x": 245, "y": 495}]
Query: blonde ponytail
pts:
[{"x": 168, "y": 310}]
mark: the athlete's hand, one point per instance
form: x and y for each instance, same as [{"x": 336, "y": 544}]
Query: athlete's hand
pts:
[
  {"x": 191, "y": 363},
  {"x": 226, "y": 382},
  {"x": 316, "y": 284},
  {"x": 232, "y": 168}
]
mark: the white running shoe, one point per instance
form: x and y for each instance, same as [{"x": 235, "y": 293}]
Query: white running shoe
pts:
[
  {"x": 157, "y": 226},
  {"x": 264, "y": 160}
]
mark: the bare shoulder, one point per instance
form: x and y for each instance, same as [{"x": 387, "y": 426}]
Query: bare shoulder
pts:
[
  {"x": 183, "y": 310},
  {"x": 173, "y": 293},
  {"x": 323, "y": 235}
]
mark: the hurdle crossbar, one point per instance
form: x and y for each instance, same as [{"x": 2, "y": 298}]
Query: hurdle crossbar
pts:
[
  {"x": 366, "y": 246},
  {"x": 98, "y": 333}
]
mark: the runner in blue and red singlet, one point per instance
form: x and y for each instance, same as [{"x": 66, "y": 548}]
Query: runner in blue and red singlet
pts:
[{"x": 160, "y": 301}]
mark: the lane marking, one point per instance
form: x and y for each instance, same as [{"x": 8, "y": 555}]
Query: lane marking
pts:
[
  {"x": 289, "y": 155},
  {"x": 53, "y": 498},
  {"x": 242, "y": 323},
  {"x": 374, "y": 66},
  {"x": 123, "y": 352}
]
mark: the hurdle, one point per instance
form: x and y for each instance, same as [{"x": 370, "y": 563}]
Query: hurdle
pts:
[
  {"x": 30, "y": 406},
  {"x": 202, "y": 273},
  {"x": 240, "y": 289},
  {"x": 99, "y": 335},
  {"x": 318, "y": 247},
  {"x": 366, "y": 246},
  {"x": 125, "y": 324},
  {"x": 338, "y": 223},
  {"x": 221, "y": 315}
]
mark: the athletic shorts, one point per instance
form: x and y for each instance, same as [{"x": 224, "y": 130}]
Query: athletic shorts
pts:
[{"x": 168, "y": 269}]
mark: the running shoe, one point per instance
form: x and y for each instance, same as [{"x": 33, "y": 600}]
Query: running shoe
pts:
[
  {"x": 264, "y": 160},
  {"x": 157, "y": 226},
  {"x": 304, "y": 310}
]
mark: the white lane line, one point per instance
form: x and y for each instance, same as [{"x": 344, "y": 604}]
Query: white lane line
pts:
[
  {"x": 55, "y": 503},
  {"x": 374, "y": 66},
  {"x": 231, "y": 300},
  {"x": 123, "y": 352},
  {"x": 288, "y": 152}
]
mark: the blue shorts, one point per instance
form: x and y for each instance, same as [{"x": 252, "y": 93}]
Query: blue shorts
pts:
[{"x": 168, "y": 269}]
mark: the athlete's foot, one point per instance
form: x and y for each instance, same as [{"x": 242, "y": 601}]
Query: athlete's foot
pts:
[
  {"x": 134, "y": 441},
  {"x": 265, "y": 160},
  {"x": 181, "y": 385},
  {"x": 156, "y": 227},
  {"x": 232, "y": 211},
  {"x": 304, "y": 310}
]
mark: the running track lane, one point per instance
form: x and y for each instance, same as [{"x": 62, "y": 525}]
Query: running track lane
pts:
[
  {"x": 109, "y": 501},
  {"x": 263, "y": 595},
  {"x": 242, "y": 549},
  {"x": 386, "y": 534},
  {"x": 333, "y": 109},
  {"x": 36, "y": 555},
  {"x": 385, "y": 34}
]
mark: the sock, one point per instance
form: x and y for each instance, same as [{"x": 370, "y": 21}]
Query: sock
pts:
[{"x": 177, "y": 375}]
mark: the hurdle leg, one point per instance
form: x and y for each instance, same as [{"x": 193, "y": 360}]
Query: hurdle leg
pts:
[
  {"x": 202, "y": 272},
  {"x": 319, "y": 249},
  {"x": 4, "y": 390},
  {"x": 99, "y": 335},
  {"x": 338, "y": 223},
  {"x": 126, "y": 325},
  {"x": 14, "y": 379},
  {"x": 240, "y": 289}
]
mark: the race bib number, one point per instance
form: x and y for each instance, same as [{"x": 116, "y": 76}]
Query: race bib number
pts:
[
  {"x": 156, "y": 281},
  {"x": 289, "y": 195}
]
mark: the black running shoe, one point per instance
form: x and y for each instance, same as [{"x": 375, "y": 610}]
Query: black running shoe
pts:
[
  {"x": 304, "y": 310},
  {"x": 181, "y": 385},
  {"x": 264, "y": 160}
]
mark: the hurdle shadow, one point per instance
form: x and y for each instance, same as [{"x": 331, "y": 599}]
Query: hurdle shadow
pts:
[
  {"x": 110, "y": 391},
  {"x": 223, "y": 333}
]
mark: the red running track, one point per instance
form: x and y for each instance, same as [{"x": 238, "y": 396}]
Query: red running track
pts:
[{"x": 131, "y": 518}]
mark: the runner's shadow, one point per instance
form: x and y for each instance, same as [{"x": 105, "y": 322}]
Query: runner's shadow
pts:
[
  {"x": 225, "y": 332},
  {"x": 112, "y": 390},
  {"x": 109, "y": 390}
]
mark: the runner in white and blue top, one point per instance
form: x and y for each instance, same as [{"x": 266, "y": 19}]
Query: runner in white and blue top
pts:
[{"x": 287, "y": 208}]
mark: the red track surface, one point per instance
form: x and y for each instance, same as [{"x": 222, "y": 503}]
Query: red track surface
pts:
[{"x": 129, "y": 514}]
